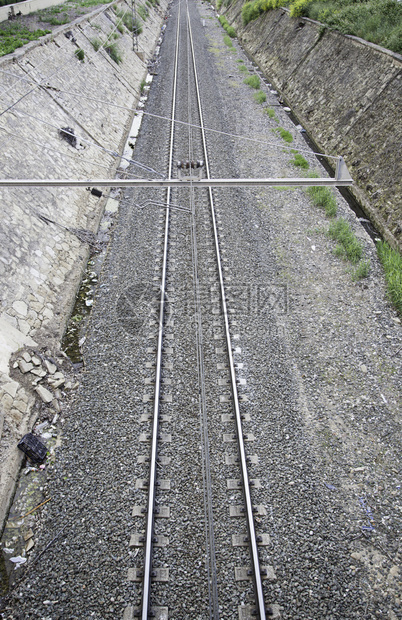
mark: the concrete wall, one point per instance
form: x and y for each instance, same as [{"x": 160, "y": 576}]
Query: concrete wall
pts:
[
  {"x": 41, "y": 264},
  {"x": 29, "y": 6},
  {"x": 347, "y": 93}
]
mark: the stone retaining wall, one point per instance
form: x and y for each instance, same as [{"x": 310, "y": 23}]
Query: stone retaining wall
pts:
[
  {"x": 347, "y": 93},
  {"x": 41, "y": 262}
]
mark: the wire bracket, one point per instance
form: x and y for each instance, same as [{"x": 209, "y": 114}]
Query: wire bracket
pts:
[{"x": 190, "y": 170}]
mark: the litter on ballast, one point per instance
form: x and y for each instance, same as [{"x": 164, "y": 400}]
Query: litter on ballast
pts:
[
  {"x": 29, "y": 469},
  {"x": 18, "y": 560},
  {"x": 33, "y": 448}
]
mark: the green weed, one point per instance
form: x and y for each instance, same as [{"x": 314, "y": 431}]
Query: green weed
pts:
[
  {"x": 13, "y": 36},
  {"x": 126, "y": 18},
  {"x": 142, "y": 12},
  {"x": 88, "y": 3},
  {"x": 378, "y": 21},
  {"x": 271, "y": 114},
  {"x": 114, "y": 53},
  {"x": 391, "y": 261},
  {"x": 253, "y": 81},
  {"x": 362, "y": 270},
  {"x": 322, "y": 197},
  {"x": 260, "y": 96},
  {"x": 227, "y": 41},
  {"x": 229, "y": 29},
  {"x": 55, "y": 21},
  {"x": 284, "y": 134},
  {"x": 299, "y": 161},
  {"x": 96, "y": 44},
  {"x": 349, "y": 247},
  {"x": 80, "y": 54}
]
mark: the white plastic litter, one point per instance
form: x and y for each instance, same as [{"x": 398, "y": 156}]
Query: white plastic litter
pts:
[{"x": 18, "y": 560}]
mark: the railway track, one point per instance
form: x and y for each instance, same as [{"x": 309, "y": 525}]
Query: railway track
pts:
[
  {"x": 188, "y": 478},
  {"x": 201, "y": 238}
]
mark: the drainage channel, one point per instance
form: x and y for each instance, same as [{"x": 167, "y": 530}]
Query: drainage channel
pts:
[
  {"x": 344, "y": 191},
  {"x": 354, "y": 205},
  {"x": 74, "y": 336}
]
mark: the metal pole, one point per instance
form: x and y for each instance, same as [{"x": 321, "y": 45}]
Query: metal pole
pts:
[
  {"x": 177, "y": 183},
  {"x": 135, "y": 32}
]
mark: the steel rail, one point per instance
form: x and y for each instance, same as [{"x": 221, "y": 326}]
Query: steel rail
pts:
[
  {"x": 146, "y": 586},
  {"x": 178, "y": 183},
  {"x": 243, "y": 462},
  {"x": 210, "y": 547}
]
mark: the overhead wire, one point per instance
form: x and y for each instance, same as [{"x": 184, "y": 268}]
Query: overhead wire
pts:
[
  {"x": 77, "y": 158},
  {"x": 112, "y": 152},
  {"x": 209, "y": 129},
  {"x": 239, "y": 136},
  {"x": 93, "y": 144},
  {"x": 57, "y": 72},
  {"x": 50, "y": 57},
  {"x": 65, "y": 131}
]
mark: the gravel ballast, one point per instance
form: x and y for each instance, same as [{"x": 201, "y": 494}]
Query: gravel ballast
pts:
[{"x": 318, "y": 359}]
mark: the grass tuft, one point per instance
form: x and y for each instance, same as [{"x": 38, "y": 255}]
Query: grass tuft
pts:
[
  {"x": 322, "y": 197},
  {"x": 228, "y": 41},
  {"x": 271, "y": 114},
  {"x": 362, "y": 270},
  {"x": 349, "y": 247},
  {"x": 284, "y": 134},
  {"x": 126, "y": 19},
  {"x": 253, "y": 81},
  {"x": 299, "y": 161},
  {"x": 229, "y": 29},
  {"x": 114, "y": 53},
  {"x": 80, "y": 54},
  {"x": 96, "y": 44},
  {"x": 391, "y": 261},
  {"x": 260, "y": 96},
  {"x": 142, "y": 12}
]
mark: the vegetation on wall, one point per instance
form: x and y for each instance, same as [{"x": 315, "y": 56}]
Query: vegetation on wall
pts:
[
  {"x": 229, "y": 29},
  {"x": 126, "y": 19},
  {"x": 5, "y": 2},
  {"x": 13, "y": 35},
  {"x": 377, "y": 21}
]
